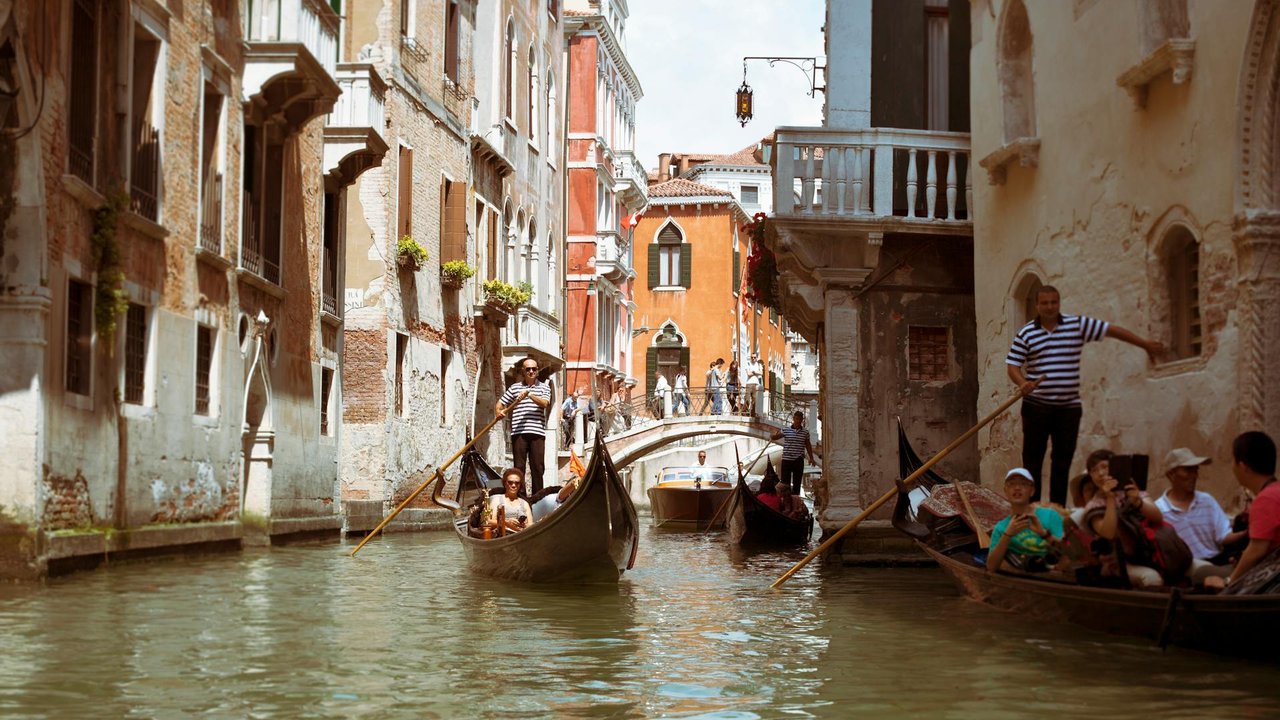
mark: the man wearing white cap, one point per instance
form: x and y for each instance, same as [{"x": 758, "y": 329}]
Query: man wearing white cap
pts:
[
  {"x": 1025, "y": 537},
  {"x": 1195, "y": 515}
]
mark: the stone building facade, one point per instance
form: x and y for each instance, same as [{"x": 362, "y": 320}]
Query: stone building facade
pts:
[
  {"x": 873, "y": 236},
  {"x": 605, "y": 189},
  {"x": 171, "y": 363},
  {"x": 1135, "y": 173}
]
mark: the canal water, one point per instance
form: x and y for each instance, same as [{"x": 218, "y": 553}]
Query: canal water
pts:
[{"x": 403, "y": 630}]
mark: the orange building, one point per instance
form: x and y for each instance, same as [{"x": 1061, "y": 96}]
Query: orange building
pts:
[{"x": 690, "y": 257}]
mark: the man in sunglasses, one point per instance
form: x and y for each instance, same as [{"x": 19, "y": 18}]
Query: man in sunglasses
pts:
[{"x": 527, "y": 401}]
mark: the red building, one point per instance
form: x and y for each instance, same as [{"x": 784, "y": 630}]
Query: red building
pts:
[{"x": 606, "y": 186}]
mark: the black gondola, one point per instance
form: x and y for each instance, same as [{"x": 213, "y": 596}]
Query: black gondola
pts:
[
  {"x": 752, "y": 523},
  {"x": 593, "y": 537}
]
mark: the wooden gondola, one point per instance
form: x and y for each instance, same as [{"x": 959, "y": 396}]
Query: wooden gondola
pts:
[
  {"x": 1230, "y": 624},
  {"x": 751, "y": 522},
  {"x": 592, "y": 537},
  {"x": 690, "y": 498}
]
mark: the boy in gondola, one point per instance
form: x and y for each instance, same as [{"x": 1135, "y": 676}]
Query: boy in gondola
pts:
[{"x": 1027, "y": 537}]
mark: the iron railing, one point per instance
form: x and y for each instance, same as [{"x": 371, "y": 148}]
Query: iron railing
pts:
[
  {"x": 211, "y": 214},
  {"x": 144, "y": 179}
]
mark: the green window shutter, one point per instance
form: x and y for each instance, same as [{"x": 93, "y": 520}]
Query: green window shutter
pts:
[
  {"x": 653, "y": 266},
  {"x": 773, "y": 315},
  {"x": 737, "y": 270},
  {"x": 651, "y": 370},
  {"x": 686, "y": 265}
]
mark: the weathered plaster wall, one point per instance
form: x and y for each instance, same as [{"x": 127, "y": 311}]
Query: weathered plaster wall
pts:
[{"x": 1086, "y": 220}]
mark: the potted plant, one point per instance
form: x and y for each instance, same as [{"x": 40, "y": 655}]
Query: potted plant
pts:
[
  {"x": 454, "y": 272},
  {"x": 503, "y": 296},
  {"x": 409, "y": 254}
]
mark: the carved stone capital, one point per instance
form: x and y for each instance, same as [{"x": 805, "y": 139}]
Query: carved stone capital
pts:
[{"x": 1257, "y": 238}]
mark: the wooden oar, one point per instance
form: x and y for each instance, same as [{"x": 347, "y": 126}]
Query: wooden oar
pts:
[
  {"x": 439, "y": 473},
  {"x": 732, "y": 495},
  {"x": 892, "y": 493},
  {"x": 984, "y": 540}
]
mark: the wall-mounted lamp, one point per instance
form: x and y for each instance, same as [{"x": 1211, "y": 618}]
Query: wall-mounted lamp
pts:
[
  {"x": 591, "y": 288},
  {"x": 807, "y": 65},
  {"x": 637, "y": 332}
]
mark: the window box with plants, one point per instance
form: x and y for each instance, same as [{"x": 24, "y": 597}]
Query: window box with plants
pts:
[
  {"x": 409, "y": 254},
  {"x": 454, "y": 273},
  {"x": 505, "y": 297}
]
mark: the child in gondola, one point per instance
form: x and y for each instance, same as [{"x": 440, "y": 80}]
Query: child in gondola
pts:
[{"x": 1027, "y": 539}]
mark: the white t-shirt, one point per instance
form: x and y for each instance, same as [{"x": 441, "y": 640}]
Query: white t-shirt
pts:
[{"x": 514, "y": 508}]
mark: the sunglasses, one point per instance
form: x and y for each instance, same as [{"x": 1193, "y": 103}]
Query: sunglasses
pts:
[
  {"x": 511, "y": 482},
  {"x": 531, "y": 369}
]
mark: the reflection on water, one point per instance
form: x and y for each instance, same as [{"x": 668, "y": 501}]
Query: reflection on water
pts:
[{"x": 404, "y": 631}]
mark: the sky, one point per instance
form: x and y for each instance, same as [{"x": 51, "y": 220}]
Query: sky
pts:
[{"x": 688, "y": 57}]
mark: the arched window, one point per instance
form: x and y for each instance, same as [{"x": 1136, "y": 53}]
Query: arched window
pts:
[
  {"x": 452, "y": 32},
  {"x": 534, "y": 97},
  {"x": 1162, "y": 20},
  {"x": 1181, "y": 261},
  {"x": 549, "y": 278},
  {"x": 508, "y": 236},
  {"x": 521, "y": 240},
  {"x": 509, "y": 71},
  {"x": 1015, "y": 70},
  {"x": 531, "y": 259},
  {"x": 669, "y": 258},
  {"x": 668, "y": 353},
  {"x": 551, "y": 114}
]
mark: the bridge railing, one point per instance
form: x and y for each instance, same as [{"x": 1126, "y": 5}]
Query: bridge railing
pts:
[{"x": 615, "y": 418}]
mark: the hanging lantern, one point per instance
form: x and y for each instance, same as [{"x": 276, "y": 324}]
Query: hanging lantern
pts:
[{"x": 744, "y": 102}]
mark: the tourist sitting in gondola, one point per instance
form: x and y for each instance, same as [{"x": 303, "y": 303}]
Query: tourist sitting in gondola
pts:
[
  {"x": 768, "y": 493},
  {"x": 1118, "y": 518},
  {"x": 509, "y": 512},
  {"x": 1027, "y": 539},
  {"x": 789, "y": 504},
  {"x": 551, "y": 498}
]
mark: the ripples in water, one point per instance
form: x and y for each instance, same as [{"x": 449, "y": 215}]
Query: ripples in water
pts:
[{"x": 694, "y": 631}]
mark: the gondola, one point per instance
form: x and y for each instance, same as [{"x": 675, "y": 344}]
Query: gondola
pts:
[
  {"x": 1229, "y": 624},
  {"x": 592, "y": 537},
  {"x": 753, "y": 523}
]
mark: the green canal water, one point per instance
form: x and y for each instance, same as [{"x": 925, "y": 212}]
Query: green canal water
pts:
[{"x": 404, "y": 631}]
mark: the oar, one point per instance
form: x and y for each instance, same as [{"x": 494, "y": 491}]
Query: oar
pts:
[
  {"x": 892, "y": 493},
  {"x": 732, "y": 495},
  {"x": 984, "y": 540},
  {"x": 439, "y": 473}
]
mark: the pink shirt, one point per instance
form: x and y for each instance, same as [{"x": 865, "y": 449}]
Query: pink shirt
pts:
[
  {"x": 770, "y": 499},
  {"x": 1264, "y": 515}
]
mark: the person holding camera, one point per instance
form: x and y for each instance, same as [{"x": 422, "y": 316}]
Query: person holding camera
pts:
[
  {"x": 1025, "y": 539},
  {"x": 1103, "y": 517},
  {"x": 509, "y": 511}
]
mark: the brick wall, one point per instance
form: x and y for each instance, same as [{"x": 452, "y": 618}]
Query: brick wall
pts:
[{"x": 364, "y": 392}]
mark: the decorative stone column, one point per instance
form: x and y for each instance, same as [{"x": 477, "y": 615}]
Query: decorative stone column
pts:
[
  {"x": 841, "y": 389},
  {"x": 1257, "y": 236}
]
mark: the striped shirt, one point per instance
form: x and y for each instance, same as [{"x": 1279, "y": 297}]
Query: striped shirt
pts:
[
  {"x": 527, "y": 418},
  {"x": 794, "y": 442},
  {"x": 1202, "y": 526},
  {"x": 1055, "y": 354}
]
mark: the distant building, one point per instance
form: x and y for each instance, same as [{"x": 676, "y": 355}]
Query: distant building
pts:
[
  {"x": 606, "y": 188},
  {"x": 691, "y": 256}
]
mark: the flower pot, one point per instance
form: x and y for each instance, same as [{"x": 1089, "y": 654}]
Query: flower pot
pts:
[
  {"x": 451, "y": 282},
  {"x": 407, "y": 262}
]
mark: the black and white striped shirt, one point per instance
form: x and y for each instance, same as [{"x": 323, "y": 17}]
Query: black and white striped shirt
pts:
[
  {"x": 527, "y": 418},
  {"x": 1055, "y": 355},
  {"x": 794, "y": 442}
]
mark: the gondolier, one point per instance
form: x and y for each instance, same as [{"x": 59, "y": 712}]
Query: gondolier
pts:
[
  {"x": 795, "y": 443},
  {"x": 1044, "y": 362},
  {"x": 528, "y": 420}
]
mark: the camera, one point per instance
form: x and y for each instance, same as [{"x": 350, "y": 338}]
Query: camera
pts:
[
  {"x": 522, "y": 518},
  {"x": 1130, "y": 469}
]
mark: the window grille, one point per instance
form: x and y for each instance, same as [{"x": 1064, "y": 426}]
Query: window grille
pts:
[
  {"x": 135, "y": 354},
  {"x": 750, "y": 195},
  {"x": 326, "y": 391},
  {"x": 204, "y": 365},
  {"x": 1183, "y": 269},
  {"x": 82, "y": 105},
  {"x": 928, "y": 354}
]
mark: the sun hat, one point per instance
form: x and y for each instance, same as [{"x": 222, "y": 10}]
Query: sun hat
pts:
[{"x": 1183, "y": 457}]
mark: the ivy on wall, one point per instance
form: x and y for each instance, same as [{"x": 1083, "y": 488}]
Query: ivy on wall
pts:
[{"x": 110, "y": 299}]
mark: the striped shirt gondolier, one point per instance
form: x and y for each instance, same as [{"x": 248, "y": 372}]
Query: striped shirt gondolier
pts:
[
  {"x": 527, "y": 418},
  {"x": 794, "y": 441},
  {"x": 1055, "y": 354}
]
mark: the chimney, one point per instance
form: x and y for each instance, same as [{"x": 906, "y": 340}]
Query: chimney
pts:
[
  {"x": 684, "y": 164},
  {"x": 664, "y": 167}
]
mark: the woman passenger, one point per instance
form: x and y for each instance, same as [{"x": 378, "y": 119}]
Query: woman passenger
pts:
[
  {"x": 517, "y": 515},
  {"x": 790, "y": 505},
  {"x": 769, "y": 492},
  {"x": 1102, "y": 510}
]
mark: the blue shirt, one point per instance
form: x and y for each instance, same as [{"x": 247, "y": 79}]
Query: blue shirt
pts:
[{"x": 1028, "y": 541}]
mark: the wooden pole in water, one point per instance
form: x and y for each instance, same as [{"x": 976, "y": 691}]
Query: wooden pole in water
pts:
[
  {"x": 438, "y": 473},
  {"x": 892, "y": 493}
]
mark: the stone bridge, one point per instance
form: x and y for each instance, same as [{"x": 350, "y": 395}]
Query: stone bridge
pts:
[{"x": 649, "y": 435}]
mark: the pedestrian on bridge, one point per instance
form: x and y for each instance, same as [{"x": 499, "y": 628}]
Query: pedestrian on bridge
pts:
[
  {"x": 528, "y": 420},
  {"x": 681, "y": 392}
]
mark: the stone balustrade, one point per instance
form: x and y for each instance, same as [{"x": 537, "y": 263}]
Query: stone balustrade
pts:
[
  {"x": 876, "y": 172},
  {"x": 363, "y": 99},
  {"x": 310, "y": 22}
]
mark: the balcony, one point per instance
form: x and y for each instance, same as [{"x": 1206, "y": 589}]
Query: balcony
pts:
[
  {"x": 630, "y": 180},
  {"x": 353, "y": 139},
  {"x": 535, "y": 333},
  {"x": 612, "y": 260},
  {"x": 291, "y": 58},
  {"x": 878, "y": 179},
  {"x": 144, "y": 177}
]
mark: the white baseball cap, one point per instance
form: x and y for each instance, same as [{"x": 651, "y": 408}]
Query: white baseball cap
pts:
[{"x": 1020, "y": 473}]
